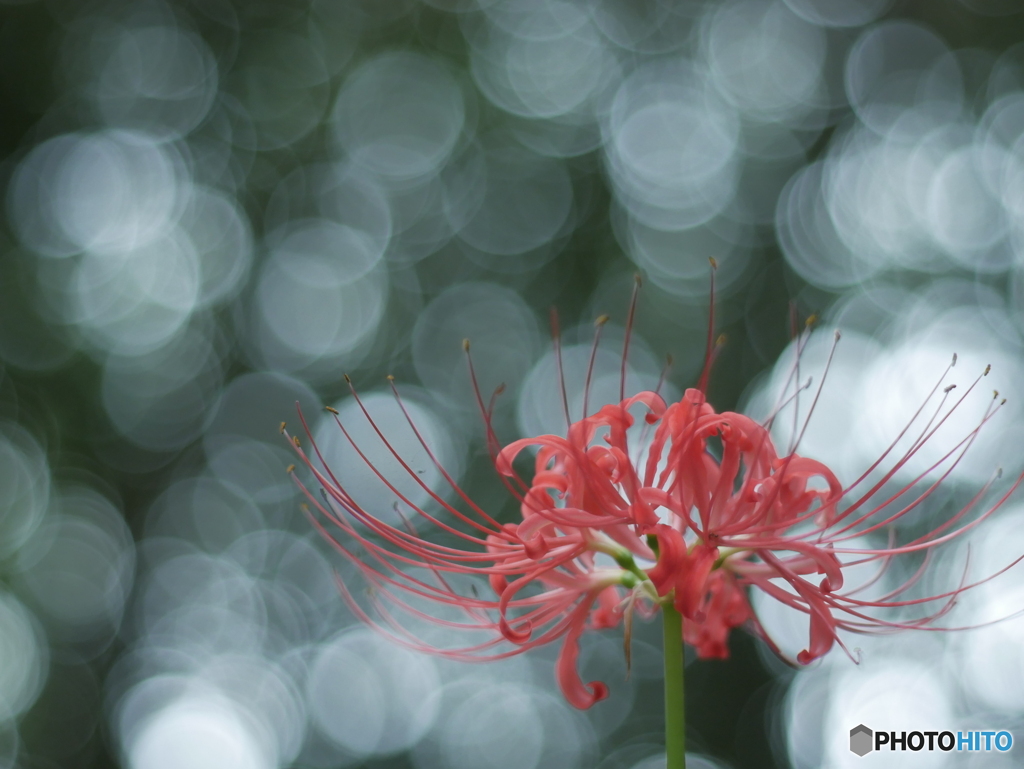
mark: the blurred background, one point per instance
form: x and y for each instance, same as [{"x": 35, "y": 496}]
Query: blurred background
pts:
[{"x": 213, "y": 209}]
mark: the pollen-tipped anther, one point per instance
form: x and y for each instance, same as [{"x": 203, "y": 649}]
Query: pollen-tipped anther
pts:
[
  {"x": 954, "y": 360},
  {"x": 290, "y": 470},
  {"x": 331, "y": 409},
  {"x": 949, "y": 388},
  {"x": 465, "y": 345},
  {"x": 601, "y": 320},
  {"x": 987, "y": 369},
  {"x": 282, "y": 428},
  {"x": 713, "y": 262}
]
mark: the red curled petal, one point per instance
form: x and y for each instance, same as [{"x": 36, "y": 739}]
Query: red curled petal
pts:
[
  {"x": 691, "y": 584},
  {"x": 578, "y": 694},
  {"x": 498, "y": 583},
  {"x": 826, "y": 561},
  {"x": 671, "y": 558},
  {"x": 727, "y": 608},
  {"x": 536, "y": 547},
  {"x": 609, "y": 609},
  {"x": 513, "y": 635},
  {"x": 823, "y": 630},
  {"x": 685, "y": 572}
]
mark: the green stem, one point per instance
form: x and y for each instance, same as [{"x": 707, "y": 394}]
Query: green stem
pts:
[{"x": 675, "y": 707}]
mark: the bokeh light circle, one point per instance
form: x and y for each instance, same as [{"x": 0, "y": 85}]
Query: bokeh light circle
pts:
[
  {"x": 25, "y": 656},
  {"x": 399, "y": 115},
  {"x": 502, "y": 330}
]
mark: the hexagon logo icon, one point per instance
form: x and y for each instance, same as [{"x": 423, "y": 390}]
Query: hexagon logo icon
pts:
[{"x": 861, "y": 740}]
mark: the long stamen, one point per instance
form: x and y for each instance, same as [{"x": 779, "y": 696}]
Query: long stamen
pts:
[
  {"x": 892, "y": 471},
  {"x": 817, "y": 394},
  {"x": 493, "y": 444},
  {"x": 801, "y": 345},
  {"x": 782, "y": 399},
  {"x": 598, "y": 325},
  {"x": 556, "y": 340},
  {"x": 907, "y": 427},
  {"x": 625, "y": 342},
  {"x": 412, "y": 473},
  {"x": 657, "y": 391},
  {"x": 927, "y": 493},
  {"x": 781, "y": 405},
  {"x": 437, "y": 464},
  {"x": 910, "y": 453},
  {"x": 705, "y": 375}
]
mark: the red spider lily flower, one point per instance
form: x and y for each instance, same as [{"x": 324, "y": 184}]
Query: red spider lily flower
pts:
[{"x": 640, "y": 505}]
